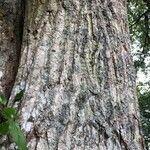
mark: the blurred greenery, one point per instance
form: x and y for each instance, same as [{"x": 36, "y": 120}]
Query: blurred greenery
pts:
[
  {"x": 144, "y": 104},
  {"x": 139, "y": 24}
]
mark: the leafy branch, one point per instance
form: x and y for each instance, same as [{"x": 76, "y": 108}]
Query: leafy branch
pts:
[{"x": 9, "y": 125}]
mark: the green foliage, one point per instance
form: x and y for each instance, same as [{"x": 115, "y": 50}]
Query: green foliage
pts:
[
  {"x": 17, "y": 135},
  {"x": 9, "y": 113},
  {"x": 9, "y": 125},
  {"x": 19, "y": 96},
  {"x": 3, "y": 100},
  {"x": 139, "y": 24},
  {"x": 144, "y": 103},
  {"x": 4, "y": 128}
]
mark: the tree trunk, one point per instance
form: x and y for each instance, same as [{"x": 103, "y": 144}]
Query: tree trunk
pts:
[
  {"x": 11, "y": 26},
  {"x": 78, "y": 76}
]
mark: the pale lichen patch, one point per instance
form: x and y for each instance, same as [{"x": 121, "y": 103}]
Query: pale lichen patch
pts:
[{"x": 1, "y": 74}]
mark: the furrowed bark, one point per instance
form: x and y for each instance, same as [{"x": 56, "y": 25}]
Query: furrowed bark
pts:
[{"x": 78, "y": 76}]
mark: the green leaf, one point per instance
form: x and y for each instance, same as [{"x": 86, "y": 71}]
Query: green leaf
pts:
[
  {"x": 4, "y": 128},
  {"x": 9, "y": 113},
  {"x": 17, "y": 135},
  {"x": 3, "y": 99},
  {"x": 19, "y": 96}
]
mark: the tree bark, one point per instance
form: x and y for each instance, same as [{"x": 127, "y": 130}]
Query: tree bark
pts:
[
  {"x": 78, "y": 76},
  {"x": 11, "y": 28}
]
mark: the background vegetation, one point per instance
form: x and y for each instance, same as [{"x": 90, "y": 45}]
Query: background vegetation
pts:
[{"x": 139, "y": 24}]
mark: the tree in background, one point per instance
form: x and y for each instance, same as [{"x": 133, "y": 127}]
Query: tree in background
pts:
[
  {"x": 139, "y": 23},
  {"x": 144, "y": 103}
]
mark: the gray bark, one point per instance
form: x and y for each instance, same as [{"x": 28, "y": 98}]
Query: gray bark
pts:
[{"x": 78, "y": 76}]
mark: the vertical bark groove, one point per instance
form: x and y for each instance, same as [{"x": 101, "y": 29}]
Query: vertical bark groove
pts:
[{"x": 11, "y": 32}]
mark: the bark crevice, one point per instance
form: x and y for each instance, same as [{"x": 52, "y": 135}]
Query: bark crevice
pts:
[{"x": 11, "y": 26}]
